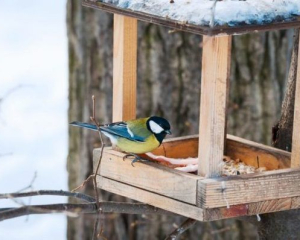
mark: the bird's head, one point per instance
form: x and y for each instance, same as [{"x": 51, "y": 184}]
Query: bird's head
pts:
[{"x": 159, "y": 126}]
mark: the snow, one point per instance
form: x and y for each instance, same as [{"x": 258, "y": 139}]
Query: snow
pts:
[{"x": 227, "y": 12}]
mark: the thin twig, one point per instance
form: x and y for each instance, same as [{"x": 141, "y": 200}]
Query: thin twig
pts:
[
  {"x": 83, "y": 183},
  {"x": 101, "y": 152},
  {"x": 93, "y": 118},
  {"x": 106, "y": 207},
  {"x": 180, "y": 230},
  {"x": 30, "y": 184},
  {"x": 96, "y": 227},
  {"x": 77, "y": 195}
]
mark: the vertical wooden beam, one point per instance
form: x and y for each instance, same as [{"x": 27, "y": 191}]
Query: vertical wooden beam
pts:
[
  {"x": 214, "y": 94},
  {"x": 124, "y": 68},
  {"x": 295, "y": 158}
]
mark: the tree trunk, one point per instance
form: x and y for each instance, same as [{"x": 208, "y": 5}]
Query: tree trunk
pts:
[
  {"x": 284, "y": 225},
  {"x": 169, "y": 70}
]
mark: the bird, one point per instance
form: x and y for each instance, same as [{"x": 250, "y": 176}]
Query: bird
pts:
[{"x": 136, "y": 136}]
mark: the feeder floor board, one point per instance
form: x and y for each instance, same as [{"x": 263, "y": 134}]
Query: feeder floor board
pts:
[
  {"x": 151, "y": 176},
  {"x": 150, "y": 198},
  {"x": 204, "y": 199}
]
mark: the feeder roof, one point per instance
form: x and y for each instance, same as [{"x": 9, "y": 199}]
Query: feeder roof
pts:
[{"x": 209, "y": 17}]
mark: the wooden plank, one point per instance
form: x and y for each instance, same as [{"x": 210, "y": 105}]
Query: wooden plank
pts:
[
  {"x": 256, "y": 154},
  {"x": 124, "y": 68},
  {"x": 270, "y": 185},
  {"x": 224, "y": 212},
  {"x": 295, "y": 202},
  {"x": 248, "y": 209},
  {"x": 214, "y": 94},
  {"x": 180, "y": 147},
  {"x": 150, "y": 176},
  {"x": 150, "y": 198},
  {"x": 184, "y": 26},
  {"x": 251, "y": 153},
  {"x": 274, "y": 205},
  {"x": 295, "y": 160},
  {"x": 236, "y": 147}
]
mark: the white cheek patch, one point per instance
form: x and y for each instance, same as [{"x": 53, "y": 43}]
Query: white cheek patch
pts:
[{"x": 155, "y": 127}]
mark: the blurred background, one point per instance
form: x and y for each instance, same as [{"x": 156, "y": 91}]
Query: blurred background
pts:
[
  {"x": 56, "y": 55},
  {"x": 33, "y": 110}
]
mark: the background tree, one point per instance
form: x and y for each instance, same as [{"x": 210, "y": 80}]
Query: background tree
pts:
[{"x": 169, "y": 70}]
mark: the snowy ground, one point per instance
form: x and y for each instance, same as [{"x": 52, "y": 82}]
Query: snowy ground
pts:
[{"x": 33, "y": 116}]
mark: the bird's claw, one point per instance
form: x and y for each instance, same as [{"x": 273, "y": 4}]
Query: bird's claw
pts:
[{"x": 137, "y": 158}]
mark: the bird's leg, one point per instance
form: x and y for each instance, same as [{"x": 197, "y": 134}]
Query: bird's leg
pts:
[{"x": 136, "y": 158}]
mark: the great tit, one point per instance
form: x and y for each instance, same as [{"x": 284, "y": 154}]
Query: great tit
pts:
[{"x": 135, "y": 136}]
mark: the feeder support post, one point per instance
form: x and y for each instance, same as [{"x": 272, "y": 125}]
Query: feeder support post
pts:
[
  {"x": 124, "y": 68},
  {"x": 213, "y": 104},
  {"x": 295, "y": 158}
]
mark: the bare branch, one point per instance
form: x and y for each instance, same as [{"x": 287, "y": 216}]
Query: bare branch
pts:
[
  {"x": 106, "y": 207},
  {"x": 93, "y": 118},
  {"x": 83, "y": 183},
  {"x": 77, "y": 195},
  {"x": 6, "y": 214},
  {"x": 183, "y": 227},
  {"x": 30, "y": 184}
]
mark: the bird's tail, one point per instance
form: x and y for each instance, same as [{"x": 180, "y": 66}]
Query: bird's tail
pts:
[{"x": 85, "y": 125}]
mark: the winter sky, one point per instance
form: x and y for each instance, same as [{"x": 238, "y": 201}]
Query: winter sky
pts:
[{"x": 33, "y": 110}]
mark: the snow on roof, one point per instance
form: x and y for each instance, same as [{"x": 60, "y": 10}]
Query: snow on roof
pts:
[{"x": 216, "y": 13}]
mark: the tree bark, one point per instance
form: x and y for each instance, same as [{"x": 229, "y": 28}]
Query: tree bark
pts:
[
  {"x": 169, "y": 71},
  {"x": 284, "y": 225}
]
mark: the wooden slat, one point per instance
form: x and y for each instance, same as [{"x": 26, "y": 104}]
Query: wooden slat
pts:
[
  {"x": 184, "y": 26},
  {"x": 214, "y": 93},
  {"x": 150, "y": 176},
  {"x": 249, "y": 188},
  {"x": 150, "y": 198},
  {"x": 180, "y": 147},
  {"x": 248, "y": 209},
  {"x": 274, "y": 205},
  {"x": 256, "y": 154},
  {"x": 124, "y": 68},
  {"x": 295, "y": 202},
  {"x": 295, "y": 160},
  {"x": 251, "y": 153},
  {"x": 224, "y": 213}
]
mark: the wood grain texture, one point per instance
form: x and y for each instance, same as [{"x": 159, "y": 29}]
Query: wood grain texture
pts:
[
  {"x": 213, "y": 103},
  {"x": 184, "y": 26},
  {"x": 295, "y": 203},
  {"x": 249, "y": 188},
  {"x": 256, "y": 154},
  {"x": 249, "y": 209},
  {"x": 224, "y": 212},
  {"x": 295, "y": 160},
  {"x": 150, "y": 198},
  {"x": 270, "y": 206},
  {"x": 251, "y": 153},
  {"x": 149, "y": 176},
  {"x": 180, "y": 147},
  {"x": 124, "y": 68}
]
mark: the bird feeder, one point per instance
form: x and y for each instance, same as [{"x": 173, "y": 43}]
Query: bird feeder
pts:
[{"x": 206, "y": 196}]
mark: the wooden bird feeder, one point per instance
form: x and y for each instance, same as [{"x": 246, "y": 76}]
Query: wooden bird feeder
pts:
[{"x": 206, "y": 196}]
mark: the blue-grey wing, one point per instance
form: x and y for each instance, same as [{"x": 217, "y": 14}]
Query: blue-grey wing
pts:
[{"x": 120, "y": 129}]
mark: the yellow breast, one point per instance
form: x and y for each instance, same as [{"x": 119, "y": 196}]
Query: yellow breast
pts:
[{"x": 126, "y": 145}]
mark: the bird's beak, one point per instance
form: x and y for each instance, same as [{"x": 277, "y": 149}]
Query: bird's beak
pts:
[{"x": 168, "y": 132}]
